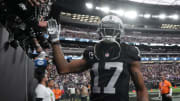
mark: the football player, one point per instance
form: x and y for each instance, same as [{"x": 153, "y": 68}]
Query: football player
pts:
[{"x": 111, "y": 63}]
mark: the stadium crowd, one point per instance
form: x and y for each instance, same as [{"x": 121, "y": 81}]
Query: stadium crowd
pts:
[
  {"x": 75, "y": 32},
  {"x": 140, "y": 37},
  {"x": 151, "y": 73},
  {"x": 72, "y": 84},
  {"x": 69, "y": 81}
]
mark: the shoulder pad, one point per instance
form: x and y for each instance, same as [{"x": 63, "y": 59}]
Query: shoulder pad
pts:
[
  {"x": 134, "y": 53},
  {"x": 88, "y": 54}
]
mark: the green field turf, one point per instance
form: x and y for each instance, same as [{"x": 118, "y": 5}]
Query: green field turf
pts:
[
  {"x": 153, "y": 95},
  {"x": 175, "y": 90}
]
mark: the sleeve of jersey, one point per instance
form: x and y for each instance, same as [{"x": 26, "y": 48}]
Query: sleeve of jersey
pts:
[
  {"x": 40, "y": 94},
  {"x": 88, "y": 55},
  {"x": 159, "y": 86},
  {"x": 170, "y": 85},
  {"x": 135, "y": 54}
]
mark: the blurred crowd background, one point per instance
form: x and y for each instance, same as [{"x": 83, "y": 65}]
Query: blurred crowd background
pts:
[{"x": 151, "y": 72}]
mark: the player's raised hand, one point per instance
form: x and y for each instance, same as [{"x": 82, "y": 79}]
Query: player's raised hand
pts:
[
  {"x": 36, "y": 2},
  {"x": 53, "y": 30}
]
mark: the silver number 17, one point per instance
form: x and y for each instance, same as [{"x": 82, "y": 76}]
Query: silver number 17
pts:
[{"x": 109, "y": 89}]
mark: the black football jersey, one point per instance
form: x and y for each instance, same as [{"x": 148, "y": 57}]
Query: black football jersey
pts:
[{"x": 110, "y": 77}]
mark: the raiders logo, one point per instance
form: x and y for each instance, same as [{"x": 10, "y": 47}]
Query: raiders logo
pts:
[
  {"x": 107, "y": 55},
  {"x": 91, "y": 55}
]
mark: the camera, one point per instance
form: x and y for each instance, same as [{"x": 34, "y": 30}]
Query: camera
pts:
[{"x": 21, "y": 21}]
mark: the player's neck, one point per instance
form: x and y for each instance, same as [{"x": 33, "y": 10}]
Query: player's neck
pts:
[
  {"x": 43, "y": 83},
  {"x": 50, "y": 87}
]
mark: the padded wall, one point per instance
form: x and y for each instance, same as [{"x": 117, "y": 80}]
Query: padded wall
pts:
[{"x": 16, "y": 72}]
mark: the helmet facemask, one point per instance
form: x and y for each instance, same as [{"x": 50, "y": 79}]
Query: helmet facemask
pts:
[{"x": 110, "y": 30}]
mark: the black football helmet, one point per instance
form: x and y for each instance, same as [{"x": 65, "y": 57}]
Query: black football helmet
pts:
[{"x": 110, "y": 29}]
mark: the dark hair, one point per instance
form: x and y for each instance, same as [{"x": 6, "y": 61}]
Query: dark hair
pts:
[
  {"x": 39, "y": 74},
  {"x": 50, "y": 80}
]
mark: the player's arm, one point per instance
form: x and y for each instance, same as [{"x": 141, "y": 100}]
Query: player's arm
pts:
[
  {"x": 142, "y": 94},
  {"x": 63, "y": 66}
]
